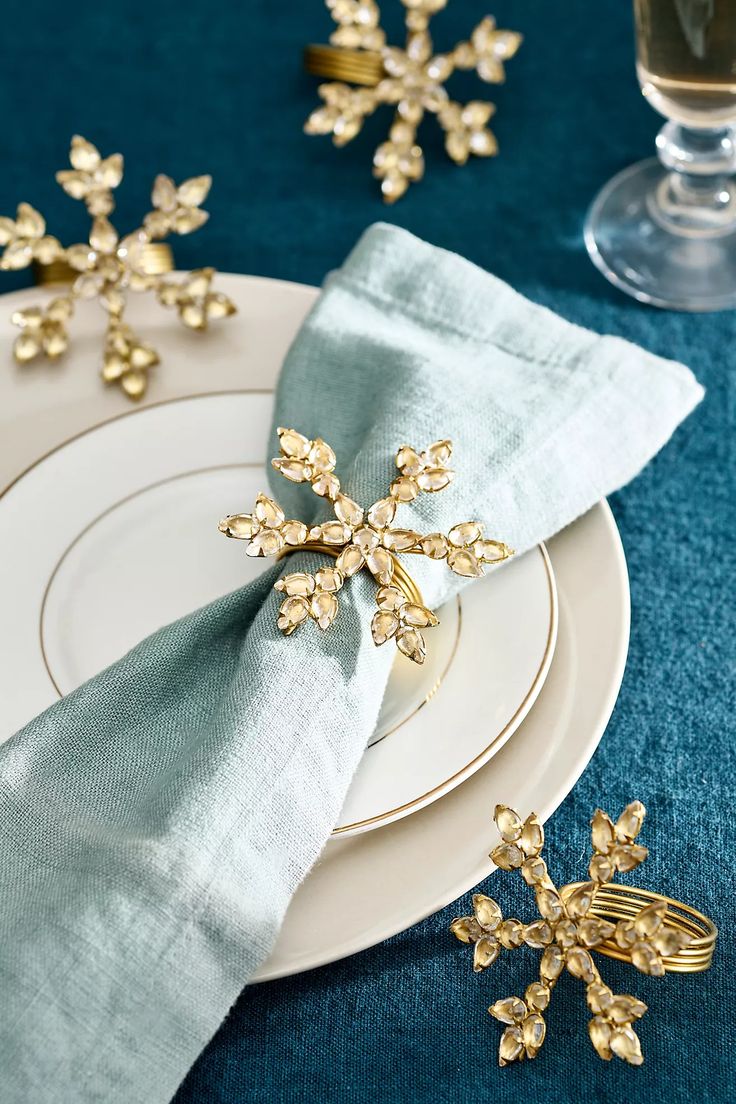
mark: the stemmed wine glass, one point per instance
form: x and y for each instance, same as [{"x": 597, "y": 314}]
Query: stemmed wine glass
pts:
[{"x": 664, "y": 230}]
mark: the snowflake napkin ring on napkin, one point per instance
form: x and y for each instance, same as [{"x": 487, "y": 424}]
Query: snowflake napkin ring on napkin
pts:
[
  {"x": 107, "y": 266},
  {"x": 359, "y": 538},
  {"x": 412, "y": 79},
  {"x": 653, "y": 933}
]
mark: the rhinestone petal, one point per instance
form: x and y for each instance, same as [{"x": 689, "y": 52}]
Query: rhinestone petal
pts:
[
  {"x": 552, "y": 963},
  {"x": 645, "y": 958},
  {"x": 417, "y": 616},
  {"x": 366, "y": 539},
  {"x": 625, "y": 1044},
  {"x": 580, "y": 964},
  {"x": 629, "y": 823},
  {"x": 463, "y": 562},
  {"x": 404, "y": 489},
  {"x": 486, "y": 952},
  {"x": 329, "y": 579},
  {"x": 381, "y": 564},
  {"x": 507, "y": 856},
  {"x": 350, "y": 560},
  {"x": 464, "y": 534},
  {"x": 600, "y": 1032},
  {"x": 383, "y": 626},
  {"x": 533, "y": 1031},
  {"x": 602, "y": 831},
  {"x": 294, "y": 532},
  {"x": 382, "y": 513},
  {"x": 295, "y": 470},
  {"x": 267, "y": 542},
  {"x": 408, "y": 461},
  {"x": 532, "y": 835},
  {"x": 509, "y": 1010},
  {"x": 321, "y": 456},
  {"x": 466, "y": 929},
  {"x": 348, "y": 511},
  {"x": 487, "y": 912},
  {"x": 297, "y": 584},
  {"x": 579, "y": 902},
  {"x": 439, "y": 453},
  {"x": 434, "y": 479},
  {"x": 240, "y": 526},
  {"x": 328, "y": 485},
  {"x": 268, "y": 512},
  {"x": 411, "y": 643},
  {"x": 601, "y": 868},
  {"x": 390, "y": 598},
  {"x": 599, "y": 996},
  {"x": 537, "y": 996},
  {"x": 649, "y": 920},
  {"x": 323, "y": 608},
  {"x": 549, "y": 904},
  {"x": 508, "y": 823},
  {"x": 399, "y": 540},
  {"x": 434, "y": 546},
  {"x": 510, "y": 933},
  {"x": 291, "y": 614},
  {"x": 293, "y": 444},
  {"x": 538, "y": 934},
  {"x": 511, "y": 1045}
]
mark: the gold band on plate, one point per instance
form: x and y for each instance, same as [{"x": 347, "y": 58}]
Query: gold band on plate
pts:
[
  {"x": 340, "y": 63},
  {"x": 620, "y": 902},
  {"x": 157, "y": 258},
  {"x": 401, "y": 577}
]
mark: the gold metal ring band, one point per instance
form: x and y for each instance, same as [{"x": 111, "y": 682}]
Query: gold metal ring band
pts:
[
  {"x": 620, "y": 902},
  {"x": 156, "y": 258},
  {"x": 401, "y": 577},
  {"x": 340, "y": 63}
]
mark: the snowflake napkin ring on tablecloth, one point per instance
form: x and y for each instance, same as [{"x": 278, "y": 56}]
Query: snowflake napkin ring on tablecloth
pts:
[
  {"x": 106, "y": 267},
  {"x": 361, "y": 538},
  {"x": 412, "y": 79},
  {"x": 653, "y": 933}
]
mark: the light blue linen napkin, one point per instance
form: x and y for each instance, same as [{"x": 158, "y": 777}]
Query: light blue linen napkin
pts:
[{"x": 156, "y": 822}]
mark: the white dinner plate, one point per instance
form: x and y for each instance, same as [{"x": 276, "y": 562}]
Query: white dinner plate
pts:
[
  {"x": 126, "y": 522},
  {"x": 366, "y": 887}
]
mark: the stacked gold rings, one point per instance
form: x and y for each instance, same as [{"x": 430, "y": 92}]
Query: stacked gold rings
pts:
[
  {"x": 156, "y": 258},
  {"x": 400, "y": 578},
  {"x": 338, "y": 63},
  {"x": 619, "y": 902}
]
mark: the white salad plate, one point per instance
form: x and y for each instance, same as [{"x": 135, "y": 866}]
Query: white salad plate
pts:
[
  {"x": 125, "y": 540},
  {"x": 371, "y": 885}
]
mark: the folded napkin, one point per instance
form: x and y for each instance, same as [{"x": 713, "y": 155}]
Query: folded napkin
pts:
[{"x": 156, "y": 822}]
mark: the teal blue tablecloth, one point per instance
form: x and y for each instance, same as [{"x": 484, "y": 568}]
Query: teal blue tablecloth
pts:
[{"x": 220, "y": 89}]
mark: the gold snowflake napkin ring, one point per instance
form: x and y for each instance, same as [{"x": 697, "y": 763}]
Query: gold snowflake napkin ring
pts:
[
  {"x": 653, "y": 933},
  {"x": 107, "y": 267},
  {"x": 412, "y": 79},
  {"x": 359, "y": 538}
]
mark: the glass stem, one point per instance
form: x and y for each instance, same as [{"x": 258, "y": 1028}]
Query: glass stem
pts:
[{"x": 697, "y": 197}]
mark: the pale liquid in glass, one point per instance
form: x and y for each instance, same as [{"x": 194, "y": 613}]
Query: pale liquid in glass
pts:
[{"x": 687, "y": 59}]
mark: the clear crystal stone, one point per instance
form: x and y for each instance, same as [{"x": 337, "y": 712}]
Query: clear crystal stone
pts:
[
  {"x": 580, "y": 964},
  {"x": 534, "y": 871},
  {"x": 649, "y": 920},
  {"x": 411, "y": 643},
  {"x": 669, "y": 941},
  {"x": 434, "y": 545},
  {"x": 532, "y": 835},
  {"x": 299, "y": 583},
  {"x": 466, "y": 929},
  {"x": 566, "y": 933},
  {"x": 417, "y": 616},
  {"x": 268, "y": 512},
  {"x": 350, "y": 560},
  {"x": 293, "y": 444},
  {"x": 623, "y": 1009},
  {"x": 334, "y": 532},
  {"x": 383, "y": 626},
  {"x": 366, "y": 539},
  {"x": 537, "y": 996},
  {"x": 240, "y": 526},
  {"x": 485, "y": 953},
  {"x": 552, "y": 963},
  {"x": 464, "y": 534},
  {"x": 645, "y": 958},
  {"x": 510, "y": 933},
  {"x": 329, "y": 579},
  {"x": 628, "y": 856},
  {"x": 399, "y": 540},
  {"x": 625, "y": 934},
  {"x": 382, "y": 513},
  {"x": 323, "y": 608},
  {"x": 380, "y": 563},
  {"x": 439, "y": 453},
  {"x": 511, "y": 1045},
  {"x": 328, "y": 486},
  {"x": 507, "y": 856},
  {"x": 625, "y": 1044},
  {"x": 294, "y": 532},
  {"x": 434, "y": 479},
  {"x": 291, "y": 614},
  {"x": 601, "y": 868},
  {"x": 602, "y": 831},
  {"x": 26, "y": 347},
  {"x": 599, "y": 996},
  {"x": 463, "y": 562},
  {"x": 579, "y": 902},
  {"x": 629, "y": 823},
  {"x": 549, "y": 904},
  {"x": 295, "y": 470},
  {"x": 600, "y": 1032},
  {"x": 408, "y": 461},
  {"x": 507, "y": 821},
  {"x": 266, "y": 542},
  {"x": 321, "y": 456},
  {"x": 533, "y": 1031},
  {"x": 593, "y": 931},
  {"x": 509, "y": 1010},
  {"x": 538, "y": 934},
  {"x": 348, "y": 511},
  {"x": 487, "y": 912},
  {"x": 491, "y": 551},
  {"x": 404, "y": 489},
  {"x": 390, "y": 598}
]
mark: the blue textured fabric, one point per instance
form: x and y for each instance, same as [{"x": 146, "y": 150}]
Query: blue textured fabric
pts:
[{"x": 221, "y": 90}]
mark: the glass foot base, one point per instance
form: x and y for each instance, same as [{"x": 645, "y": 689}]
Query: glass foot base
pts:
[{"x": 645, "y": 259}]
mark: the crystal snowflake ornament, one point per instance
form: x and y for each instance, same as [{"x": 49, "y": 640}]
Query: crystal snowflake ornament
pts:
[
  {"x": 569, "y": 929},
  {"x": 411, "y": 78},
  {"x": 107, "y": 267},
  {"x": 358, "y": 539}
]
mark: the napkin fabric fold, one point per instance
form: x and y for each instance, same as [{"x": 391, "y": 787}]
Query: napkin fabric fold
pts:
[{"x": 157, "y": 821}]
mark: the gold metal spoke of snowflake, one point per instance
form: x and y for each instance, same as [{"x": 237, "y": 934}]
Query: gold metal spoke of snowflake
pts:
[
  {"x": 653, "y": 933},
  {"x": 358, "y": 538},
  {"x": 106, "y": 267},
  {"x": 411, "y": 78}
]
